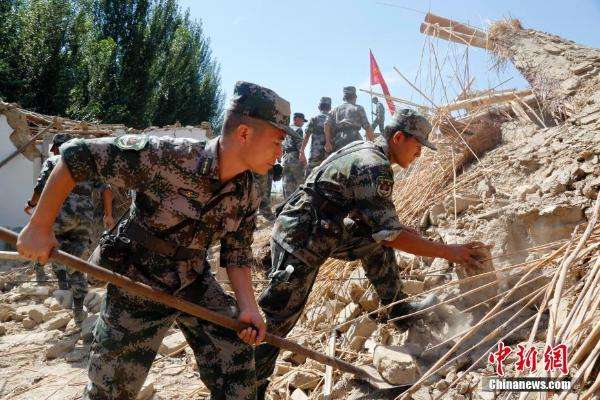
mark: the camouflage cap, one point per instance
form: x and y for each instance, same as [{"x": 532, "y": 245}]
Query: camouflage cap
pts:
[
  {"x": 349, "y": 91},
  {"x": 325, "y": 100},
  {"x": 259, "y": 102},
  {"x": 300, "y": 115},
  {"x": 411, "y": 123},
  {"x": 60, "y": 138}
]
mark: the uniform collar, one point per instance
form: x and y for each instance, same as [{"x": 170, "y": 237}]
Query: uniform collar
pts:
[
  {"x": 383, "y": 145},
  {"x": 209, "y": 161}
]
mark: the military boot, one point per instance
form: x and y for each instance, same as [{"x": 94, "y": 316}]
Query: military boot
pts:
[
  {"x": 63, "y": 281},
  {"x": 79, "y": 315},
  {"x": 409, "y": 307}
]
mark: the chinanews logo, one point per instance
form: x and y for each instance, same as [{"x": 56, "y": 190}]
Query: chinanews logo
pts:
[{"x": 553, "y": 359}]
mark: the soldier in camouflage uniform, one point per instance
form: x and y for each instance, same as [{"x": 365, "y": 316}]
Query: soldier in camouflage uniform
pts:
[
  {"x": 293, "y": 170},
  {"x": 189, "y": 194},
  {"x": 379, "y": 116},
  {"x": 316, "y": 132},
  {"x": 344, "y": 210},
  {"x": 344, "y": 122},
  {"x": 73, "y": 227}
]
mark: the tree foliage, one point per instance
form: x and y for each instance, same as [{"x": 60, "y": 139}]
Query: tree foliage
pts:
[{"x": 137, "y": 62}]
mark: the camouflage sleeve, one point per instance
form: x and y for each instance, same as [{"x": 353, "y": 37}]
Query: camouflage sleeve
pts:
[
  {"x": 236, "y": 247},
  {"x": 44, "y": 174},
  {"x": 372, "y": 190},
  {"x": 362, "y": 115},
  {"x": 310, "y": 129},
  {"x": 109, "y": 161}
]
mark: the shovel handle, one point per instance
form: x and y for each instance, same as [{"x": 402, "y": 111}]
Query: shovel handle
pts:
[{"x": 145, "y": 291}]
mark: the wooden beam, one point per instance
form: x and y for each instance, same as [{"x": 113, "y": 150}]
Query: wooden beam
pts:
[
  {"x": 328, "y": 384},
  {"x": 453, "y": 36},
  {"x": 11, "y": 256},
  {"x": 454, "y": 26},
  {"x": 488, "y": 99}
]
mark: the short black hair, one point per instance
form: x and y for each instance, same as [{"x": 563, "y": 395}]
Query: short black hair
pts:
[
  {"x": 390, "y": 130},
  {"x": 233, "y": 120},
  {"x": 324, "y": 106}
]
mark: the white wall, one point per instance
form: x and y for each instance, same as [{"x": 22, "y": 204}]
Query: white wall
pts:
[
  {"x": 183, "y": 132},
  {"x": 16, "y": 181}
]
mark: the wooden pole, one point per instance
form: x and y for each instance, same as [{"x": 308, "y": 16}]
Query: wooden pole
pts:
[
  {"x": 150, "y": 293},
  {"x": 12, "y": 256},
  {"x": 22, "y": 148}
]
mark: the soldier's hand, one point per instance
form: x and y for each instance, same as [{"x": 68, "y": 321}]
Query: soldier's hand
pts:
[
  {"x": 328, "y": 147},
  {"x": 109, "y": 221},
  {"x": 302, "y": 159},
  {"x": 256, "y": 334},
  {"x": 470, "y": 254},
  {"x": 36, "y": 243}
]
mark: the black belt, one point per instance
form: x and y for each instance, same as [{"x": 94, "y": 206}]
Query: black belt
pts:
[{"x": 141, "y": 236}]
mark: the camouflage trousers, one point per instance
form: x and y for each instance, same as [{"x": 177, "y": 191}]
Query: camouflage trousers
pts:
[
  {"x": 293, "y": 176},
  {"x": 76, "y": 242},
  {"x": 377, "y": 123},
  {"x": 130, "y": 330},
  {"x": 285, "y": 297}
]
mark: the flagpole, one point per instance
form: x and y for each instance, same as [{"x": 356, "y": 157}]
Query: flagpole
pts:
[{"x": 371, "y": 86}]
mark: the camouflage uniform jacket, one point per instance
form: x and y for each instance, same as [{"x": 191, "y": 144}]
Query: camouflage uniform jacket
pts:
[
  {"x": 360, "y": 185},
  {"x": 317, "y": 133},
  {"x": 174, "y": 179},
  {"x": 346, "y": 121},
  {"x": 78, "y": 206},
  {"x": 291, "y": 145}
]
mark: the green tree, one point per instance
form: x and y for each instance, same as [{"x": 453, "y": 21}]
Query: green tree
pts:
[{"x": 138, "y": 62}]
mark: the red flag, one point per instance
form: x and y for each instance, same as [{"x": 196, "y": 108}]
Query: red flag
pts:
[{"x": 377, "y": 79}]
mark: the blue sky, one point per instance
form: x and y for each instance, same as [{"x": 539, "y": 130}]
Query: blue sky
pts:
[{"x": 307, "y": 49}]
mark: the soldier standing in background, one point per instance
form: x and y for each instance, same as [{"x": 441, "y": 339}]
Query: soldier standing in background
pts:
[
  {"x": 315, "y": 131},
  {"x": 293, "y": 173},
  {"x": 379, "y": 116},
  {"x": 345, "y": 121},
  {"x": 73, "y": 226}
]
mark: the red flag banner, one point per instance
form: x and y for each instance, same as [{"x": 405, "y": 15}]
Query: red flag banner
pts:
[{"x": 377, "y": 79}]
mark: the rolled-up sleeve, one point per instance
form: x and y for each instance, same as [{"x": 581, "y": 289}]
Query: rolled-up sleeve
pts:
[
  {"x": 373, "y": 190},
  {"x": 103, "y": 161}
]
